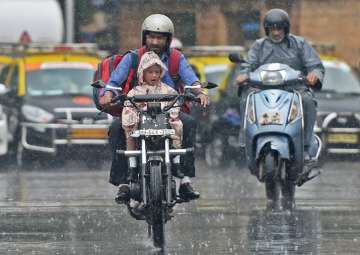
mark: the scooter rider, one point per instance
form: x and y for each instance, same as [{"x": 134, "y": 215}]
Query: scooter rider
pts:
[
  {"x": 279, "y": 46},
  {"x": 157, "y": 33}
]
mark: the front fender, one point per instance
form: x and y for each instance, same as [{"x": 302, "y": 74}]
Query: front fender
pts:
[{"x": 277, "y": 143}]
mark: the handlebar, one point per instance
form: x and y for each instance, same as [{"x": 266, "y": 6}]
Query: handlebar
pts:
[{"x": 156, "y": 98}]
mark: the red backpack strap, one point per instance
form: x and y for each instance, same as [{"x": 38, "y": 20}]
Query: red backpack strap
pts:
[
  {"x": 105, "y": 70},
  {"x": 132, "y": 77},
  {"x": 174, "y": 64}
]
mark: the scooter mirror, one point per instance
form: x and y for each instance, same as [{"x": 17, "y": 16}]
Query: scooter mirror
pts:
[{"x": 236, "y": 58}]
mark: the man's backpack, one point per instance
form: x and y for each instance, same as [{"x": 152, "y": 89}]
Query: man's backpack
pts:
[{"x": 108, "y": 65}]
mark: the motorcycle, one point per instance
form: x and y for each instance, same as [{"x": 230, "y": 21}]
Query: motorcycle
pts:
[
  {"x": 152, "y": 186},
  {"x": 274, "y": 133},
  {"x": 223, "y": 145}
]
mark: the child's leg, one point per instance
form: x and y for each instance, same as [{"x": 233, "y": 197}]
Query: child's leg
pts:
[
  {"x": 176, "y": 140},
  {"x": 131, "y": 145}
]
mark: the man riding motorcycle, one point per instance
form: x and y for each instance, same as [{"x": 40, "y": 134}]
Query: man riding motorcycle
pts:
[
  {"x": 157, "y": 33},
  {"x": 279, "y": 46}
]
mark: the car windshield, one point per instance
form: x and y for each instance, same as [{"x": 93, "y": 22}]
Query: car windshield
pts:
[
  {"x": 59, "y": 81},
  {"x": 340, "y": 80}
]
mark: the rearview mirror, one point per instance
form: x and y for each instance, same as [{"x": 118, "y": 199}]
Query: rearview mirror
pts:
[
  {"x": 98, "y": 84},
  {"x": 236, "y": 58},
  {"x": 209, "y": 85},
  {"x": 3, "y": 89}
]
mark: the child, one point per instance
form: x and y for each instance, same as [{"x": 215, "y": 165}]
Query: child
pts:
[{"x": 150, "y": 71}]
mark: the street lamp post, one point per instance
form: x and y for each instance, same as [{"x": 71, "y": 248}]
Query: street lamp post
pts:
[{"x": 69, "y": 20}]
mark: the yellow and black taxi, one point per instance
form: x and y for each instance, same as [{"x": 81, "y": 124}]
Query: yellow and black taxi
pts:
[{"x": 46, "y": 100}]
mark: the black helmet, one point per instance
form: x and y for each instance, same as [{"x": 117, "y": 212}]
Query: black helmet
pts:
[{"x": 276, "y": 18}]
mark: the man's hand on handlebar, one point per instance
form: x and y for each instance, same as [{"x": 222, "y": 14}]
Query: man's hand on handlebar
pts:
[
  {"x": 312, "y": 79},
  {"x": 204, "y": 99},
  {"x": 241, "y": 79}
]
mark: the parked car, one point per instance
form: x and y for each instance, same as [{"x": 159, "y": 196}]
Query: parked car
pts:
[{"x": 46, "y": 97}]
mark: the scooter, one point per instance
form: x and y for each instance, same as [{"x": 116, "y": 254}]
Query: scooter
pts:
[
  {"x": 223, "y": 145},
  {"x": 274, "y": 133}
]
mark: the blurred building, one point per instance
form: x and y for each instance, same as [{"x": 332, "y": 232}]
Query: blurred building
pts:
[
  {"x": 200, "y": 22},
  {"x": 331, "y": 23},
  {"x": 239, "y": 22}
]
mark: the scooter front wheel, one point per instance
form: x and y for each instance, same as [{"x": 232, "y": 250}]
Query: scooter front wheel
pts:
[{"x": 272, "y": 185}]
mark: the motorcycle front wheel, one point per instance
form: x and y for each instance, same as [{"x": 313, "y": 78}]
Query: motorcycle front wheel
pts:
[{"x": 156, "y": 205}]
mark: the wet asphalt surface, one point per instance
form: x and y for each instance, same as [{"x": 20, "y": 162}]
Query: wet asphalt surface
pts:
[{"x": 70, "y": 210}]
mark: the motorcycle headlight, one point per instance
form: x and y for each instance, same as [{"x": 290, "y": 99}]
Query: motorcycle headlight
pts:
[
  {"x": 36, "y": 114},
  {"x": 272, "y": 78}
]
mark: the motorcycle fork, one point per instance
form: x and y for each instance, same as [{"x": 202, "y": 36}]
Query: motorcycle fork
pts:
[
  {"x": 143, "y": 170},
  {"x": 168, "y": 171}
]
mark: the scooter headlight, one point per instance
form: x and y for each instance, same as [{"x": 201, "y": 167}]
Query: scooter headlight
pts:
[{"x": 272, "y": 78}]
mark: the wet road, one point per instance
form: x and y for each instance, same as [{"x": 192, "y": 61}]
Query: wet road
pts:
[{"x": 70, "y": 210}]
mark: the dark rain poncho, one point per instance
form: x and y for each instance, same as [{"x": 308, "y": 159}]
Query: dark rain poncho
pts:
[{"x": 293, "y": 51}]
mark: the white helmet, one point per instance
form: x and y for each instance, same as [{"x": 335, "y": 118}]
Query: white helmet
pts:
[
  {"x": 158, "y": 23},
  {"x": 176, "y": 44}
]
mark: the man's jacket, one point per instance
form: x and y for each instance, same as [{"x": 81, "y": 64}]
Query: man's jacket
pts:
[{"x": 293, "y": 51}]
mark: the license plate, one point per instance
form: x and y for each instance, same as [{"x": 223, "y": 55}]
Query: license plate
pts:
[
  {"x": 90, "y": 133},
  {"x": 342, "y": 138},
  {"x": 153, "y": 132}
]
